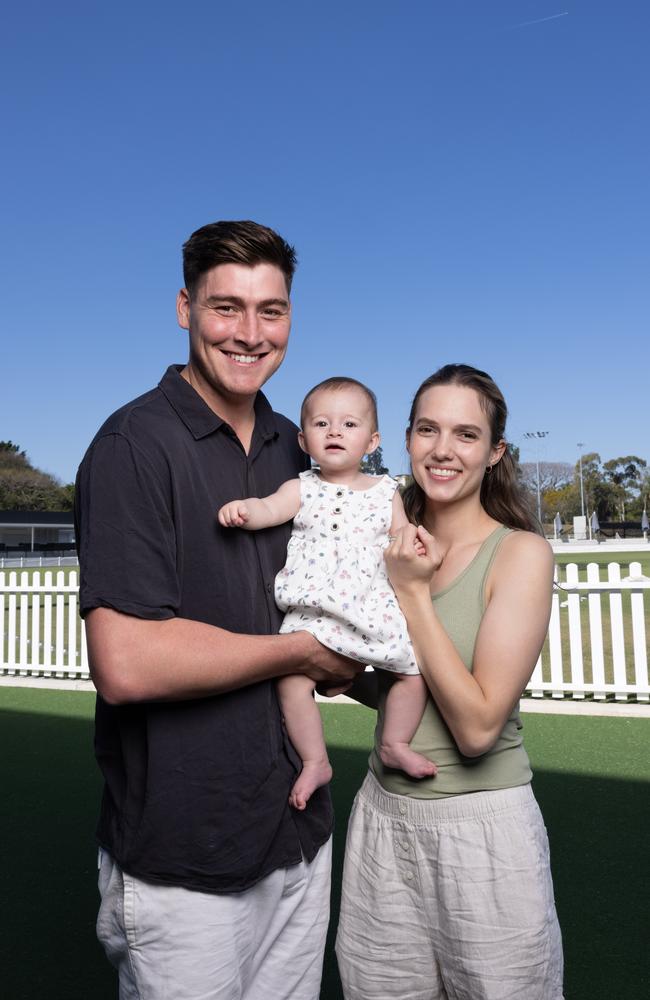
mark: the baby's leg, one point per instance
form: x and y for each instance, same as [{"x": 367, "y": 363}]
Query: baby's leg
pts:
[
  {"x": 302, "y": 719},
  {"x": 405, "y": 703}
]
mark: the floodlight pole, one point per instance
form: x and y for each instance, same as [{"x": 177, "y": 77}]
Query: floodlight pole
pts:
[
  {"x": 537, "y": 434},
  {"x": 580, "y": 445}
]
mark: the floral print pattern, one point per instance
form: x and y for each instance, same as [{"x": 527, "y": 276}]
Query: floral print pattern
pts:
[{"x": 334, "y": 583}]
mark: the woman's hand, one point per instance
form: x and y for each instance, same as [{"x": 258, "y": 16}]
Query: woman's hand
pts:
[{"x": 412, "y": 558}]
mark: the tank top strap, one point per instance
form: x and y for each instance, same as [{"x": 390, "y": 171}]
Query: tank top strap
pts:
[{"x": 482, "y": 564}]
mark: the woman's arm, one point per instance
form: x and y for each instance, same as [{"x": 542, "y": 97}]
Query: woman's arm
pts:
[
  {"x": 262, "y": 512},
  {"x": 476, "y": 705}
]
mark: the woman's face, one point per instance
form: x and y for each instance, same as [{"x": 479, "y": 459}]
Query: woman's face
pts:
[{"x": 450, "y": 443}]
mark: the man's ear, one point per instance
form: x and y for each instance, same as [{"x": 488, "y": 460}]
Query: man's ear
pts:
[{"x": 183, "y": 308}]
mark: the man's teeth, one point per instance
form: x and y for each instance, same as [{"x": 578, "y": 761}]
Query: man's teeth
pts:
[
  {"x": 448, "y": 473},
  {"x": 245, "y": 359}
]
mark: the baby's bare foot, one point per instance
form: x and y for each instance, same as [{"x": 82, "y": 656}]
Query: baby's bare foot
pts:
[
  {"x": 314, "y": 774},
  {"x": 401, "y": 757}
]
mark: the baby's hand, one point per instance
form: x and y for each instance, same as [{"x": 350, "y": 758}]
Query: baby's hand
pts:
[
  {"x": 234, "y": 514},
  {"x": 419, "y": 547}
]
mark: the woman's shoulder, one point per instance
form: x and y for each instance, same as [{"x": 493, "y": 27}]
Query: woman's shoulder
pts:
[{"x": 524, "y": 549}]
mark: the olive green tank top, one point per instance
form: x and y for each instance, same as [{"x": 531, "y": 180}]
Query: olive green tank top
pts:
[{"x": 460, "y": 608}]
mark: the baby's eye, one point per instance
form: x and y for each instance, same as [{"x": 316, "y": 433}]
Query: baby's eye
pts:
[
  {"x": 320, "y": 423},
  {"x": 350, "y": 423}
]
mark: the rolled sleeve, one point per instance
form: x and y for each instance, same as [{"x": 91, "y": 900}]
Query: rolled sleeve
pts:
[{"x": 125, "y": 532}]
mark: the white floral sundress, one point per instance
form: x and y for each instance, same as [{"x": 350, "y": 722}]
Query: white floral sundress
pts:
[{"x": 334, "y": 583}]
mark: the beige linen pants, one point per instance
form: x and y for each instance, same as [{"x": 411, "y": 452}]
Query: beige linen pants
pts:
[
  {"x": 265, "y": 943},
  {"x": 448, "y": 898}
]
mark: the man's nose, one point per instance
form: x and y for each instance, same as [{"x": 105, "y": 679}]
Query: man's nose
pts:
[{"x": 248, "y": 331}]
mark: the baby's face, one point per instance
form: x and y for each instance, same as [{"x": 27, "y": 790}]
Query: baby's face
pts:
[{"x": 338, "y": 428}]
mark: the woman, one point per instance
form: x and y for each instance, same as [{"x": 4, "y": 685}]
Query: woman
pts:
[{"x": 447, "y": 889}]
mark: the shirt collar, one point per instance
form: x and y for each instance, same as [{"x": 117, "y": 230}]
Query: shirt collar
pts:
[{"x": 197, "y": 416}]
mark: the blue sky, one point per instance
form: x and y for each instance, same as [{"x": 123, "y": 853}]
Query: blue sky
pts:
[{"x": 463, "y": 182}]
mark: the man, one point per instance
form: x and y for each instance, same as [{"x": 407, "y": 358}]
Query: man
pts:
[{"x": 211, "y": 885}]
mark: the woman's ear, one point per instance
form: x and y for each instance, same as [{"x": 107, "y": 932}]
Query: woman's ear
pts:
[{"x": 497, "y": 452}]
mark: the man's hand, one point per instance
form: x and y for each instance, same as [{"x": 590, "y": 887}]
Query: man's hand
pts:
[
  {"x": 327, "y": 668},
  {"x": 234, "y": 514}
]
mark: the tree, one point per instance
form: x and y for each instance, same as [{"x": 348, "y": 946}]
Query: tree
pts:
[
  {"x": 552, "y": 475},
  {"x": 565, "y": 501},
  {"x": 23, "y": 487},
  {"x": 373, "y": 464}
]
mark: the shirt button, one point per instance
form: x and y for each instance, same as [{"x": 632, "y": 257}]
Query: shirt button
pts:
[
  {"x": 402, "y": 808},
  {"x": 269, "y": 588},
  {"x": 339, "y": 493},
  {"x": 335, "y": 526},
  {"x": 337, "y": 510},
  {"x": 409, "y": 876}
]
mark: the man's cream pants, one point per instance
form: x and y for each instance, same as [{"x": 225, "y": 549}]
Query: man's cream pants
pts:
[{"x": 265, "y": 943}]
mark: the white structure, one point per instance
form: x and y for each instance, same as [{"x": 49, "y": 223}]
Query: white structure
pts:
[{"x": 580, "y": 528}]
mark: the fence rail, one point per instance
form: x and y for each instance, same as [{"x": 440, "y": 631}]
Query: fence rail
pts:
[{"x": 596, "y": 644}]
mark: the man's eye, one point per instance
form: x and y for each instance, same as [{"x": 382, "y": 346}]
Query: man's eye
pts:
[
  {"x": 468, "y": 435},
  {"x": 423, "y": 429},
  {"x": 225, "y": 310},
  {"x": 272, "y": 313}
]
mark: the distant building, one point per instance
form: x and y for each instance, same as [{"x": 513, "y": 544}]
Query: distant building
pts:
[{"x": 36, "y": 531}]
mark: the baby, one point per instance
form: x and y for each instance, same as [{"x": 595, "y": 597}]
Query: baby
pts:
[{"x": 334, "y": 583}]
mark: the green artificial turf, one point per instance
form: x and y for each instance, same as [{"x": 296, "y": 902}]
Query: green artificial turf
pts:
[{"x": 591, "y": 779}]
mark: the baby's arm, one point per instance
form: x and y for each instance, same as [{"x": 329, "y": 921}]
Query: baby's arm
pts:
[
  {"x": 262, "y": 512},
  {"x": 400, "y": 520}
]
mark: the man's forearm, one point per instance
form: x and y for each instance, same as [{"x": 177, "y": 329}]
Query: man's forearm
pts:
[{"x": 137, "y": 660}]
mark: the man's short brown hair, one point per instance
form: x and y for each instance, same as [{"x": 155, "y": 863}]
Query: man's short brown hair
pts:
[{"x": 242, "y": 242}]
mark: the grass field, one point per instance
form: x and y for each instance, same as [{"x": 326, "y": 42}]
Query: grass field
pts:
[{"x": 592, "y": 781}]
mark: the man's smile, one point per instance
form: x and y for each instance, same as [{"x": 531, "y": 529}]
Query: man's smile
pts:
[{"x": 243, "y": 359}]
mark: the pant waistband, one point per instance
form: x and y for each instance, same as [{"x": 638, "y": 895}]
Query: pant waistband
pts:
[{"x": 455, "y": 808}]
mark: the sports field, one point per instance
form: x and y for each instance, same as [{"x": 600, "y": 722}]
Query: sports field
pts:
[{"x": 592, "y": 780}]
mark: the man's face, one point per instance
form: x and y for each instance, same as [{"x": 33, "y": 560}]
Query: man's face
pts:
[{"x": 238, "y": 319}]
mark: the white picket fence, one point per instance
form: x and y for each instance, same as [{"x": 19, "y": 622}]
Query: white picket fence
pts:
[{"x": 42, "y": 635}]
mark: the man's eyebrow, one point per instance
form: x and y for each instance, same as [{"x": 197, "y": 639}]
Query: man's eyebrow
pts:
[{"x": 214, "y": 300}]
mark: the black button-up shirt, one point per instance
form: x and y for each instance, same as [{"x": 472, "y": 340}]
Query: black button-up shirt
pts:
[{"x": 196, "y": 792}]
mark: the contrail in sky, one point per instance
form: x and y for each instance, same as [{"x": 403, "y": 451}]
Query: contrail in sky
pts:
[{"x": 539, "y": 20}]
